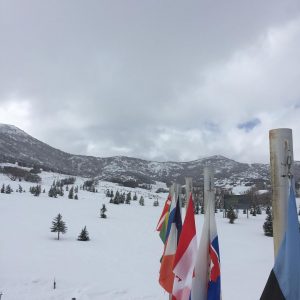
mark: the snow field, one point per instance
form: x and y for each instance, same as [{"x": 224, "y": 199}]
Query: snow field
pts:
[{"x": 122, "y": 259}]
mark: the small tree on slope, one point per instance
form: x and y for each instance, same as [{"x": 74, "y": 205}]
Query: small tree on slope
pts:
[
  {"x": 103, "y": 211},
  {"x": 268, "y": 225},
  {"x": 231, "y": 215},
  {"x": 58, "y": 225},
  {"x": 84, "y": 235}
]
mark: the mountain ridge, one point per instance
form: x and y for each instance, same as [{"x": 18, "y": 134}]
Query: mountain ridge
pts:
[{"x": 18, "y": 146}]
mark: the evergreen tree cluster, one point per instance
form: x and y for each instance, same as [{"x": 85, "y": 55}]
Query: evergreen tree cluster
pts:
[
  {"x": 6, "y": 189},
  {"x": 65, "y": 181},
  {"x": 55, "y": 191},
  {"x": 90, "y": 186},
  {"x": 109, "y": 193},
  {"x": 35, "y": 190},
  {"x": 122, "y": 197},
  {"x": 119, "y": 198}
]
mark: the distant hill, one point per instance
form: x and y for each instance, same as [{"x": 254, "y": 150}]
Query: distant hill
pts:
[{"x": 18, "y": 146}]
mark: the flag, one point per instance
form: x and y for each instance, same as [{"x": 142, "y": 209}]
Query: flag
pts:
[
  {"x": 163, "y": 220},
  {"x": 185, "y": 257},
  {"x": 284, "y": 279},
  {"x": 207, "y": 278},
  {"x": 166, "y": 275},
  {"x": 163, "y": 214}
]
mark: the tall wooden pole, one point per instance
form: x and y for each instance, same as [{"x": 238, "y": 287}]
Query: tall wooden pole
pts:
[
  {"x": 281, "y": 165},
  {"x": 209, "y": 188},
  {"x": 188, "y": 188}
]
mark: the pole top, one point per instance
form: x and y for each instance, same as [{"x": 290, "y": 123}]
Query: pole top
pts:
[{"x": 278, "y": 131}]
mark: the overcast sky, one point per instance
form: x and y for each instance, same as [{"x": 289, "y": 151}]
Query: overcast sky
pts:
[{"x": 154, "y": 79}]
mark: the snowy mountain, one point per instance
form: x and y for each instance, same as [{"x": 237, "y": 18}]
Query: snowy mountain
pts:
[{"x": 17, "y": 146}]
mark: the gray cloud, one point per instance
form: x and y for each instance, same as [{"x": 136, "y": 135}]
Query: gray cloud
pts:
[
  {"x": 166, "y": 80},
  {"x": 249, "y": 125}
]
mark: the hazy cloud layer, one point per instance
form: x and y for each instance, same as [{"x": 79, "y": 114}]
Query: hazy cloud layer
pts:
[{"x": 164, "y": 80}]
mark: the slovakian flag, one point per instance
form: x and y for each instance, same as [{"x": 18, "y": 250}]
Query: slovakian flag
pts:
[
  {"x": 284, "y": 280},
  {"x": 207, "y": 276},
  {"x": 185, "y": 257},
  {"x": 166, "y": 275},
  {"x": 163, "y": 220}
]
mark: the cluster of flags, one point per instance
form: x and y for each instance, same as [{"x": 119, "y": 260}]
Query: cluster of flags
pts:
[{"x": 188, "y": 273}]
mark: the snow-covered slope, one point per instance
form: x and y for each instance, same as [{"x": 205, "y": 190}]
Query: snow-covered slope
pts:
[{"x": 121, "y": 262}]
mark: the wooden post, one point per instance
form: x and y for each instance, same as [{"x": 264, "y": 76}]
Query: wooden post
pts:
[
  {"x": 172, "y": 189},
  {"x": 188, "y": 188},
  {"x": 281, "y": 166},
  {"x": 177, "y": 188},
  {"x": 209, "y": 191}
]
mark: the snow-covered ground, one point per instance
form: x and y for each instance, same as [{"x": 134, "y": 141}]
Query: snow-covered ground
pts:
[{"x": 122, "y": 259}]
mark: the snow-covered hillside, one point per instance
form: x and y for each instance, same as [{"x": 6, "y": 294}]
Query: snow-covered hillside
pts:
[
  {"x": 18, "y": 146},
  {"x": 122, "y": 259}
]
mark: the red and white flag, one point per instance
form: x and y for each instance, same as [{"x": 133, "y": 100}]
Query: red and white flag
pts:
[{"x": 185, "y": 257}]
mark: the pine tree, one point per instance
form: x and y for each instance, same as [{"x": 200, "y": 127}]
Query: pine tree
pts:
[
  {"x": 122, "y": 198},
  {"x": 268, "y": 210},
  {"x": 128, "y": 198},
  {"x": 58, "y": 225},
  {"x": 8, "y": 189},
  {"x": 84, "y": 235},
  {"x": 197, "y": 207},
  {"x": 142, "y": 202},
  {"x": 117, "y": 198},
  {"x": 107, "y": 193},
  {"x": 258, "y": 210},
  {"x": 202, "y": 209},
  {"x": 37, "y": 190},
  {"x": 268, "y": 225},
  {"x": 76, "y": 197},
  {"x": 3, "y": 189},
  {"x": 103, "y": 210},
  {"x": 71, "y": 193},
  {"x": 156, "y": 203},
  {"x": 231, "y": 215},
  {"x": 20, "y": 189},
  {"x": 134, "y": 197}
]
